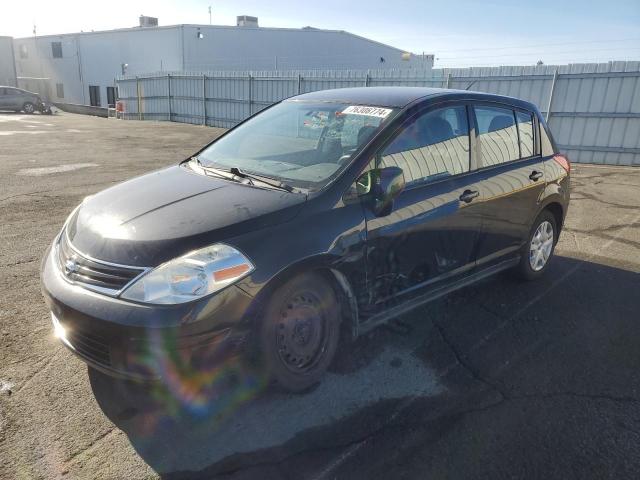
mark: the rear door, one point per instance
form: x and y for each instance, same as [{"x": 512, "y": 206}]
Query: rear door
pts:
[
  {"x": 14, "y": 98},
  {"x": 431, "y": 234},
  {"x": 512, "y": 179}
]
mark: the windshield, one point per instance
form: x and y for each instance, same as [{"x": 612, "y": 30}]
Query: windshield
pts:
[{"x": 303, "y": 144}]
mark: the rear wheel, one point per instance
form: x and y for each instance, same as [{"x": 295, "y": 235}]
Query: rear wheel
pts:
[
  {"x": 29, "y": 108},
  {"x": 300, "y": 331},
  {"x": 538, "y": 250}
]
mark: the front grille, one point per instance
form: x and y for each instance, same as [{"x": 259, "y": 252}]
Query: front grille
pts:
[
  {"x": 93, "y": 274},
  {"x": 90, "y": 345}
]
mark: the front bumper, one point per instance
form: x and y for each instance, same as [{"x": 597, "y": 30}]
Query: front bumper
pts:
[{"x": 145, "y": 342}]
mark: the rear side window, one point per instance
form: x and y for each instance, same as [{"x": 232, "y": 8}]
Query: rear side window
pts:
[
  {"x": 525, "y": 130},
  {"x": 497, "y": 134},
  {"x": 546, "y": 145},
  {"x": 432, "y": 146}
]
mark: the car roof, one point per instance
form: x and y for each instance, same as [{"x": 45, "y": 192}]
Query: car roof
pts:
[{"x": 400, "y": 97}]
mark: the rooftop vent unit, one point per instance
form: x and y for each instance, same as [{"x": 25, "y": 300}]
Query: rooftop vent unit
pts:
[
  {"x": 148, "y": 21},
  {"x": 246, "y": 21}
]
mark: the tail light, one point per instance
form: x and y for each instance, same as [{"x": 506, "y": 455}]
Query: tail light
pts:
[{"x": 563, "y": 162}]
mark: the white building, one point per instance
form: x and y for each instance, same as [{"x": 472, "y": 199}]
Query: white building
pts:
[
  {"x": 7, "y": 62},
  {"x": 81, "y": 67}
]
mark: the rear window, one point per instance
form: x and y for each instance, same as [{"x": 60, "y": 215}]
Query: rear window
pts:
[{"x": 497, "y": 134}]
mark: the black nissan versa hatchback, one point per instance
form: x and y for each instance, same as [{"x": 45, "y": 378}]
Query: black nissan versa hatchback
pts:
[{"x": 328, "y": 213}]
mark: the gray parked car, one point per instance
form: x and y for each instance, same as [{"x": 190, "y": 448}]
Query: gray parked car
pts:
[{"x": 16, "y": 99}]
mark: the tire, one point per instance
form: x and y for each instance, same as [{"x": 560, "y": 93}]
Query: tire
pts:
[
  {"x": 299, "y": 332},
  {"x": 538, "y": 251},
  {"x": 28, "y": 108}
]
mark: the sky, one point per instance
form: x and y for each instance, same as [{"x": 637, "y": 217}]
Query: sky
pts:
[{"x": 460, "y": 33}]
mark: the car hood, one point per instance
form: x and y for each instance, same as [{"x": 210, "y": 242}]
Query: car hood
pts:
[{"x": 162, "y": 215}]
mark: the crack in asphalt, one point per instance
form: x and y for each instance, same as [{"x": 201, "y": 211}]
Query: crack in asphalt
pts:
[
  {"x": 20, "y": 262},
  {"x": 90, "y": 446},
  {"x": 595, "y": 198},
  {"x": 605, "y": 236},
  {"x": 475, "y": 373},
  {"x": 40, "y": 370},
  {"x": 491, "y": 311},
  {"x": 587, "y": 396},
  {"x": 40, "y": 192},
  {"x": 351, "y": 447}
]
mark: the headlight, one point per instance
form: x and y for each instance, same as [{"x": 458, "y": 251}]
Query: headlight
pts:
[{"x": 190, "y": 277}]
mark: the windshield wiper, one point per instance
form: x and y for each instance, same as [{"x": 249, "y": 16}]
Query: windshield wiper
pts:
[
  {"x": 261, "y": 178},
  {"x": 217, "y": 172},
  {"x": 234, "y": 173}
]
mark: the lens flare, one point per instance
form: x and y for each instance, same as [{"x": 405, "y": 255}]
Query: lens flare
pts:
[{"x": 203, "y": 381}]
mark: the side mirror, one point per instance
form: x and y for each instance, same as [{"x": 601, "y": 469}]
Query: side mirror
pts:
[{"x": 382, "y": 186}]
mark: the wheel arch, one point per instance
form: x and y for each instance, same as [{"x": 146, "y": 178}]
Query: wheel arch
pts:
[
  {"x": 327, "y": 267},
  {"x": 557, "y": 210}
]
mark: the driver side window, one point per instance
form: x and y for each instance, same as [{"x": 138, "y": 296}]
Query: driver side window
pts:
[{"x": 433, "y": 145}]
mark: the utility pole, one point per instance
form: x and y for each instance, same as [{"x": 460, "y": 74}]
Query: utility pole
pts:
[{"x": 209, "y": 14}]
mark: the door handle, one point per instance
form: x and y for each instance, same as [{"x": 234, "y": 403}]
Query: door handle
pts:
[
  {"x": 469, "y": 195},
  {"x": 535, "y": 175}
]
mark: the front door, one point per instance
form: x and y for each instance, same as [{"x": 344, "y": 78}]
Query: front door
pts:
[
  {"x": 431, "y": 234},
  {"x": 513, "y": 180}
]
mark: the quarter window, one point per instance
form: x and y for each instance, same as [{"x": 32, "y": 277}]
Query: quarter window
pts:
[
  {"x": 432, "y": 146},
  {"x": 525, "y": 130},
  {"x": 497, "y": 134},
  {"x": 547, "y": 148}
]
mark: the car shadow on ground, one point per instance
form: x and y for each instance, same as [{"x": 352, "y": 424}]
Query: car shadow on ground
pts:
[{"x": 410, "y": 381}]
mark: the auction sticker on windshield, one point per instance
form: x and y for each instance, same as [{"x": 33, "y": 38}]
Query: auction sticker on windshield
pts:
[{"x": 368, "y": 111}]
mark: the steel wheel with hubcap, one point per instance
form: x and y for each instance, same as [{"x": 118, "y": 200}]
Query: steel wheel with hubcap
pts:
[
  {"x": 300, "y": 331},
  {"x": 541, "y": 246},
  {"x": 538, "y": 250}
]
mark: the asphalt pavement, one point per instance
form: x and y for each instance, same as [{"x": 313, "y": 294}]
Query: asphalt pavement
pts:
[{"x": 502, "y": 379}]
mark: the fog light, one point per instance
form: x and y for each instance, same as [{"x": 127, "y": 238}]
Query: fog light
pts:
[{"x": 60, "y": 332}]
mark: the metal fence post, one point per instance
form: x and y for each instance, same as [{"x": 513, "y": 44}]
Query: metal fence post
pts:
[
  {"x": 169, "y": 95},
  {"x": 204, "y": 99},
  {"x": 299, "y": 84},
  {"x": 139, "y": 99},
  {"x": 551, "y": 91},
  {"x": 250, "y": 94},
  {"x": 367, "y": 79},
  {"x": 448, "y": 80}
]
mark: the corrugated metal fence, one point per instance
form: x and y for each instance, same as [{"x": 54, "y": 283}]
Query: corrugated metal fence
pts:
[{"x": 592, "y": 109}]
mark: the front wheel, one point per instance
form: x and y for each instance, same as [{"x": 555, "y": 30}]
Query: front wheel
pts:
[
  {"x": 538, "y": 250},
  {"x": 300, "y": 331}
]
